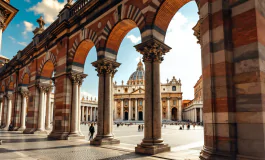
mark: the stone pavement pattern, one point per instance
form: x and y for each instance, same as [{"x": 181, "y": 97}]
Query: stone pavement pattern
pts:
[{"x": 21, "y": 146}]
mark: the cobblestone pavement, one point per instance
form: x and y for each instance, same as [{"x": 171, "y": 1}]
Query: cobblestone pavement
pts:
[{"x": 184, "y": 145}]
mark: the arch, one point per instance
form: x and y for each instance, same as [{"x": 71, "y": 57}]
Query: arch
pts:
[
  {"x": 86, "y": 39},
  {"x": 47, "y": 69},
  {"x": 174, "y": 114},
  {"x": 48, "y": 57},
  {"x": 82, "y": 51},
  {"x": 115, "y": 31},
  {"x": 164, "y": 15},
  {"x": 25, "y": 76}
]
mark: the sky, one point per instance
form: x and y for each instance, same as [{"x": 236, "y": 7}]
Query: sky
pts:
[{"x": 183, "y": 61}]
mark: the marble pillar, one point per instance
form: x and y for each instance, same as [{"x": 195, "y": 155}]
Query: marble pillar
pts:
[
  {"x": 168, "y": 109},
  {"x": 130, "y": 110},
  {"x": 200, "y": 114},
  {"x": 9, "y": 111},
  {"x": 106, "y": 70},
  {"x": 152, "y": 51},
  {"x": 90, "y": 114},
  {"x": 195, "y": 115},
  {"x": 48, "y": 110},
  {"x": 83, "y": 111},
  {"x": 115, "y": 110},
  {"x": 122, "y": 117},
  {"x": 136, "y": 109},
  {"x": 41, "y": 127},
  {"x": 77, "y": 80},
  {"x": 179, "y": 110},
  {"x": 87, "y": 113},
  {"x": 24, "y": 95},
  {"x": 95, "y": 113}
]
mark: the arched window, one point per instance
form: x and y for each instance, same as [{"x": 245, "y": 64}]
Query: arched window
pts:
[
  {"x": 126, "y": 90},
  {"x": 174, "y": 88}
]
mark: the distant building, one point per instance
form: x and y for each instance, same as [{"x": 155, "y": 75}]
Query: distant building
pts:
[
  {"x": 192, "y": 109},
  {"x": 129, "y": 98}
]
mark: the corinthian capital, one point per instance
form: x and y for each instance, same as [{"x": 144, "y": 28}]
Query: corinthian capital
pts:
[
  {"x": 152, "y": 50},
  {"x": 105, "y": 66},
  {"x": 77, "y": 78},
  {"x": 45, "y": 87}
]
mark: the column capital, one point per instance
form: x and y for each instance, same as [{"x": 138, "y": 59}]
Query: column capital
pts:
[
  {"x": 24, "y": 92},
  {"x": 3, "y": 16},
  {"x": 44, "y": 87},
  {"x": 77, "y": 78},
  {"x": 152, "y": 50},
  {"x": 106, "y": 66}
]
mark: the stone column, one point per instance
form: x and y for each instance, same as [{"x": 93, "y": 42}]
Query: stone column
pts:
[
  {"x": 91, "y": 114},
  {"x": 168, "y": 109},
  {"x": 130, "y": 110},
  {"x": 48, "y": 109},
  {"x": 83, "y": 112},
  {"x": 136, "y": 109},
  {"x": 24, "y": 95},
  {"x": 77, "y": 80},
  {"x": 179, "y": 110},
  {"x": 106, "y": 70},
  {"x": 87, "y": 113},
  {"x": 115, "y": 110},
  {"x": 195, "y": 114},
  {"x": 41, "y": 126},
  {"x": 95, "y": 113},
  {"x": 9, "y": 110},
  {"x": 52, "y": 109},
  {"x": 200, "y": 114},
  {"x": 122, "y": 117},
  {"x": 152, "y": 51},
  {"x": 143, "y": 108}
]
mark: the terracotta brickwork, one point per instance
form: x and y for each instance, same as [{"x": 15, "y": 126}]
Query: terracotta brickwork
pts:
[{"x": 232, "y": 47}]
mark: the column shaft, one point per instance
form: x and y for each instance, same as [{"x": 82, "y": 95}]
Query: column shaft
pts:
[
  {"x": 168, "y": 110},
  {"x": 23, "y": 114},
  {"x": 130, "y": 110},
  {"x": 91, "y": 114},
  {"x": 74, "y": 119},
  {"x": 1, "y": 108},
  {"x": 136, "y": 109},
  {"x": 87, "y": 113},
  {"x": 41, "y": 114},
  {"x": 122, "y": 110},
  {"x": 83, "y": 111},
  {"x": 48, "y": 111}
]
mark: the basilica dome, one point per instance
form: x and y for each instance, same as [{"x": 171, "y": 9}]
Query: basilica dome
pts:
[{"x": 137, "y": 77}]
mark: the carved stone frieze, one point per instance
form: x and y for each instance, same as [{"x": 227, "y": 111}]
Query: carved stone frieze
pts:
[
  {"x": 105, "y": 66},
  {"x": 152, "y": 50}
]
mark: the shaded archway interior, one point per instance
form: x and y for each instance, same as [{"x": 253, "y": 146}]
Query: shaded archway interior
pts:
[
  {"x": 82, "y": 51},
  {"x": 118, "y": 33},
  {"x": 167, "y": 11},
  {"x": 47, "y": 69}
]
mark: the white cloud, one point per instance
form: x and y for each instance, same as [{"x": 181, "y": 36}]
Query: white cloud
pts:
[
  {"x": 12, "y": 38},
  {"x": 15, "y": 41},
  {"x": 134, "y": 39},
  {"x": 86, "y": 94},
  {"x": 27, "y": 1},
  {"x": 184, "y": 60},
  {"x": 28, "y": 28},
  {"x": 49, "y": 9},
  {"x": 22, "y": 43}
]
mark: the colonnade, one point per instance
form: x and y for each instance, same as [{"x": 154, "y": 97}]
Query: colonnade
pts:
[
  {"x": 133, "y": 105},
  {"x": 192, "y": 114},
  {"x": 88, "y": 113}
]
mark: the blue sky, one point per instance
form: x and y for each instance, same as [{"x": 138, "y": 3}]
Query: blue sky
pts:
[{"x": 184, "y": 61}]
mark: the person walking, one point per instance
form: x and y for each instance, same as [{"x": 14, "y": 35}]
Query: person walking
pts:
[
  {"x": 92, "y": 131},
  {"x": 139, "y": 128},
  {"x": 142, "y": 127}
]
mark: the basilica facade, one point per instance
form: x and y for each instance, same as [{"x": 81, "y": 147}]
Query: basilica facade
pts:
[{"x": 129, "y": 101}]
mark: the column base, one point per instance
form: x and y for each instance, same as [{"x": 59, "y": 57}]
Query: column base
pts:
[
  {"x": 152, "y": 149},
  {"x": 99, "y": 140},
  {"x": 58, "y": 135},
  {"x": 73, "y": 136},
  {"x": 21, "y": 128},
  {"x": 210, "y": 154},
  {"x": 29, "y": 130},
  {"x": 38, "y": 132}
]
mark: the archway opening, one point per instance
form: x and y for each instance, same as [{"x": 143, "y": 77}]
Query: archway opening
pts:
[{"x": 174, "y": 114}]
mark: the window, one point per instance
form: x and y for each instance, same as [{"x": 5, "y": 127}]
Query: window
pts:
[
  {"x": 141, "y": 103},
  {"x": 174, "y": 102},
  {"x": 126, "y": 90},
  {"x": 164, "y": 89},
  {"x": 126, "y": 103},
  {"x": 133, "y": 89},
  {"x": 119, "y": 90},
  {"x": 174, "y": 88}
]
